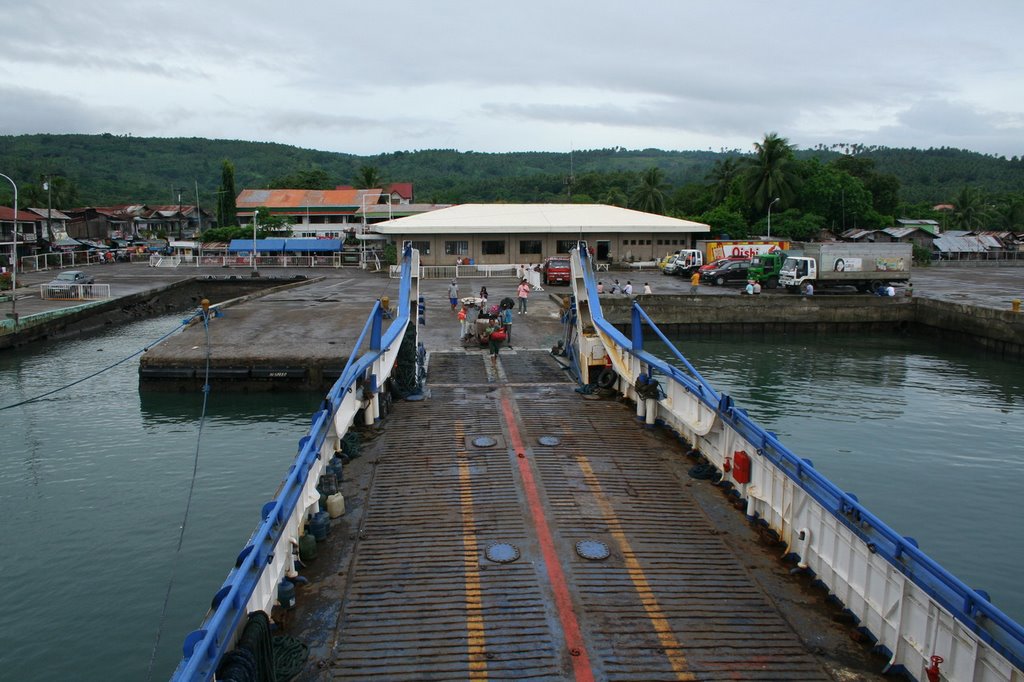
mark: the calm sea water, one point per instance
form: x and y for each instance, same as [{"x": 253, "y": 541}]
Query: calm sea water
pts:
[
  {"x": 928, "y": 436},
  {"x": 93, "y": 486},
  {"x": 94, "y": 480}
]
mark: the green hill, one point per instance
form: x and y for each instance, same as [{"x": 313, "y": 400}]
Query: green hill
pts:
[{"x": 108, "y": 169}]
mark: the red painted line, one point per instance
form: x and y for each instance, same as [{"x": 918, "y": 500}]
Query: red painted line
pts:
[{"x": 582, "y": 671}]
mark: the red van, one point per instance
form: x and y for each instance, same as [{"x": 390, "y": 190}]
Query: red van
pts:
[{"x": 556, "y": 270}]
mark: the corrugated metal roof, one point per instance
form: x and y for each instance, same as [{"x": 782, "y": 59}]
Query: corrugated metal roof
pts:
[
  {"x": 948, "y": 244},
  {"x": 54, "y": 213},
  {"x": 856, "y": 233},
  {"x": 535, "y": 218},
  {"x": 306, "y": 198},
  {"x": 900, "y": 232}
]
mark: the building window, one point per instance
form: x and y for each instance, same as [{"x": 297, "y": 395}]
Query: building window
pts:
[
  {"x": 492, "y": 247},
  {"x": 456, "y": 248},
  {"x": 530, "y": 246},
  {"x": 565, "y": 245},
  {"x": 422, "y": 247}
]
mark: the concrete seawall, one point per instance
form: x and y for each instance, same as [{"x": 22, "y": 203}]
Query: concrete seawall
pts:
[{"x": 1001, "y": 331}]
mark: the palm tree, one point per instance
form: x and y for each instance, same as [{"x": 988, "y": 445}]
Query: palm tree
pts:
[
  {"x": 721, "y": 177},
  {"x": 615, "y": 197},
  {"x": 971, "y": 212},
  {"x": 1011, "y": 215},
  {"x": 770, "y": 174},
  {"x": 649, "y": 196},
  {"x": 368, "y": 178}
]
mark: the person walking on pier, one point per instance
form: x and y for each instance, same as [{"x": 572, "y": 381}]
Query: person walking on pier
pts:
[
  {"x": 462, "y": 322},
  {"x": 523, "y": 293},
  {"x": 453, "y": 294},
  {"x": 495, "y": 335},
  {"x": 694, "y": 282},
  {"x": 506, "y": 319}
]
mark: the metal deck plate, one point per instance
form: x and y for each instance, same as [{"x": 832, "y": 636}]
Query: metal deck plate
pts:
[{"x": 660, "y": 596}]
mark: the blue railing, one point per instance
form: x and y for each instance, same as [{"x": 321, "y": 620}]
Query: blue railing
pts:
[
  {"x": 204, "y": 648},
  {"x": 970, "y": 607}
]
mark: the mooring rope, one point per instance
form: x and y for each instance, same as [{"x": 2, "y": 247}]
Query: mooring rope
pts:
[{"x": 105, "y": 369}]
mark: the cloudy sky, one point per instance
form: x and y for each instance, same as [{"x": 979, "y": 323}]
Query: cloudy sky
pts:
[{"x": 366, "y": 78}]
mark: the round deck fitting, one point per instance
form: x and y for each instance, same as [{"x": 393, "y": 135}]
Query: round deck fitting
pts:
[
  {"x": 592, "y": 549},
  {"x": 549, "y": 441},
  {"x": 484, "y": 442},
  {"x": 502, "y": 553}
]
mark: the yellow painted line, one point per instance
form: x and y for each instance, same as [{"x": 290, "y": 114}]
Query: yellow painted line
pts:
[
  {"x": 666, "y": 637},
  {"x": 475, "y": 633}
]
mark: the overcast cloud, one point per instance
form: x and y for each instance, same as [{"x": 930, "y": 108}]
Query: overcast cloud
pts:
[{"x": 484, "y": 76}]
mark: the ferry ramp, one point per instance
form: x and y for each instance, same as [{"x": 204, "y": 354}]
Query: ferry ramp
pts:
[{"x": 510, "y": 527}]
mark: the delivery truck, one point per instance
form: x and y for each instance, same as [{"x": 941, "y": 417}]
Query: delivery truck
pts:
[{"x": 866, "y": 266}]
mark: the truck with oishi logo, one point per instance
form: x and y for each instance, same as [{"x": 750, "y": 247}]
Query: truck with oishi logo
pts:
[{"x": 866, "y": 266}]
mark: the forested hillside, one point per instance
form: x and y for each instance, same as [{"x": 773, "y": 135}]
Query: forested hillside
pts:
[{"x": 827, "y": 185}]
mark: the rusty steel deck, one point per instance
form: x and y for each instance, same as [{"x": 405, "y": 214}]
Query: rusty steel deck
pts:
[{"x": 474, "y": 548}]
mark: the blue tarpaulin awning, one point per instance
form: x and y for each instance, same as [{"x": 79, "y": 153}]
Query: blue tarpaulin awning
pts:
[
  {"x": 285, "y": 245},
  {"x": 310, "y": 245}
]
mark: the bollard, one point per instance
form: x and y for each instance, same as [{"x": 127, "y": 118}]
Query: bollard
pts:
[{"x": 1015, "y": 305}]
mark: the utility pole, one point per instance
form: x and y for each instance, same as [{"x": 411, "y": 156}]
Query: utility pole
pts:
[
  {"x": 49, "y": 210},
  {"x": 179, "y": 191},
  {"x": 199, "y": 214}
]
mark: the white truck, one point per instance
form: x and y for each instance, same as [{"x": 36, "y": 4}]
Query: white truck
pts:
[{"x": 866, "y": 266}]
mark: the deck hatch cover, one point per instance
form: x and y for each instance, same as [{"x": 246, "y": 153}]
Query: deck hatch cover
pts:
[
  {"x": 502, "y": 552},
  {"x": 548, "y": 441},
  {"x": 594, "y": 550}
]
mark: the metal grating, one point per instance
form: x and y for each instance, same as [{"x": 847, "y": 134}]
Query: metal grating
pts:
[
  {"x": 533, "y": 367},
  {"x": 457, "y": 368},
  {"x": 423, "y": 601}
]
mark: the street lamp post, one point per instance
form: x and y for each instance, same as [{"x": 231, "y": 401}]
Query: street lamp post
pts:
[
  {"x": 774, "y": 201},
  {"x": 14, "y": 253},
  {"x": 255, "y": 219}
]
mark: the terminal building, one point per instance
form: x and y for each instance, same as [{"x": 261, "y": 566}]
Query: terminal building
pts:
[{"x": 485, "y": 234}]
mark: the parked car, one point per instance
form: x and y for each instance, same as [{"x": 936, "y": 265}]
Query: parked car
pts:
[
  {"x": 66, "y": 280},
  {"x": 719, "y": 263},
  {"x": 731, "y": 271},
  {"x": 674, "y": 266},
  {"x": 556, "y": 270}
]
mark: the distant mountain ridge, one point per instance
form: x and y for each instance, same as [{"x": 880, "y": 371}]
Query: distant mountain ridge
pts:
[{"x": 108, "y": 169}]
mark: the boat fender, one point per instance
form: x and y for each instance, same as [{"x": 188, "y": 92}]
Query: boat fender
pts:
[{"x": 607, "y": 377}]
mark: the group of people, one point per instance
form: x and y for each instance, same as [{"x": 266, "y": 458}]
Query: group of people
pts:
[
  {"x": 624, "y": 289},
  {"x": 488, "y": 324},
  {"x": 753, "y": 287}
]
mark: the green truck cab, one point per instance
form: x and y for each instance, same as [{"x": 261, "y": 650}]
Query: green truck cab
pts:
[{"x": 764, "y": 268}]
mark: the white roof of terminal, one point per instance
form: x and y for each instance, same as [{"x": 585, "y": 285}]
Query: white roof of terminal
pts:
[{"x": 534, "y": 218}]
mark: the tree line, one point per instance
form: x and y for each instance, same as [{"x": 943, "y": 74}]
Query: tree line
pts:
[{"x": 834, "y": 188}]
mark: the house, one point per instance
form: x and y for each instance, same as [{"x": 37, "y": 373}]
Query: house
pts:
[
  {"x": 931, "y": 226},
  {"x": 330, "y": 213},
  {"x": 529, "y": 233},
  {"x": 57, "y": 220},
  {"x": 400, "y": 192},
  {"x": 18, "y": 230}
]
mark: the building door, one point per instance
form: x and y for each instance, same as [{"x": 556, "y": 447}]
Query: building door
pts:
[{"x": 604, "y": 249}]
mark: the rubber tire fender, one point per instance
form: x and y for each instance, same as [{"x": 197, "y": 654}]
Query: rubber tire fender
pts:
[{"x": 607, "y": 378}]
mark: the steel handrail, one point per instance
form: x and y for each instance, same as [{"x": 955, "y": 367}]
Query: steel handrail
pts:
[
  {"x": 971, "y": 603},
  {"x": 204, "y": 647}
]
